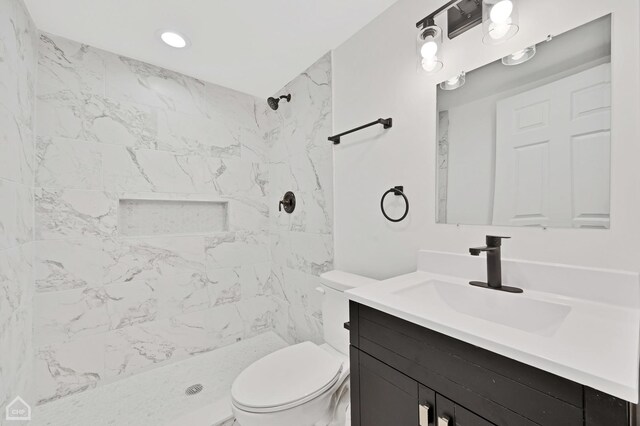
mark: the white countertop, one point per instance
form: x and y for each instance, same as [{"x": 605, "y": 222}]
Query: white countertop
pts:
[{"x": 596, "y": 344}]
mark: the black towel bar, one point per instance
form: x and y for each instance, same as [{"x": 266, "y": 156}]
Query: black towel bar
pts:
[{"x": 387, "y": 123}]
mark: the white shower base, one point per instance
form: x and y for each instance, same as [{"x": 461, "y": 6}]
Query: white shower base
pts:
[{"x": 157, "y": 397}]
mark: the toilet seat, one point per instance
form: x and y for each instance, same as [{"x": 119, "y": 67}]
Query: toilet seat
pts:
[{"x": 286, "y": 379}]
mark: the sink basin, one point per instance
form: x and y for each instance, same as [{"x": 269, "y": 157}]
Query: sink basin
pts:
[{"x": 511, "y": 310}]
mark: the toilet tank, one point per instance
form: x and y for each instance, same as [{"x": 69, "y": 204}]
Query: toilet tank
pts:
[{"x": 335, "y": 306}]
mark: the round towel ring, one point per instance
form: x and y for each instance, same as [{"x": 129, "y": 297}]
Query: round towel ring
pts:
[{"x": 398, "y": 190}]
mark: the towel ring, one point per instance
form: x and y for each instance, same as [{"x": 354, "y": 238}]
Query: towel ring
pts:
[{"x": 398, "y": 190}]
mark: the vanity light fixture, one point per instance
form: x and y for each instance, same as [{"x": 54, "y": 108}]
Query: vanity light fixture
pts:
[
  {"x": 174, "y": 39},
  {"x": 429, "y": 48},
  {"x": 499, "y": 20},
  {"x": 520, "y": 57},
  {"x": 454, "y": 82}
]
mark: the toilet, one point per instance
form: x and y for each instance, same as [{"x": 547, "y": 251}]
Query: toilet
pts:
[{"x": 304, "y": 384}]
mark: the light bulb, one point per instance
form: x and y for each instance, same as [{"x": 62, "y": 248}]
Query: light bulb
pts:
[
  {"x": 498, "y": 31},
  {"x": 454, "y": 82},
  {"x": 173, "y": 39},
  {"x": 429, "y": 64},
  {"x": 501, "y": 11},
  {"x": 429, "y": 49},
  {"x": 518, "y": 55}
]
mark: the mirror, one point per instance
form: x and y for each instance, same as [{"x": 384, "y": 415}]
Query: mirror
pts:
[{"x": 528, "y": 144}]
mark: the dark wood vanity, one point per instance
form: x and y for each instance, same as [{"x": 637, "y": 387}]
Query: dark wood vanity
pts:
[{"x": 403, "y": 374}]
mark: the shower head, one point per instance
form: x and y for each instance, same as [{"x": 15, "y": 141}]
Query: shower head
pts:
[{"x": 273, "y": 102}]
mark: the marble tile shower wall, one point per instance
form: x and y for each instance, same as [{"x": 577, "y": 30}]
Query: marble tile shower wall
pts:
[
  {"x": 18, "y": 63},
  {"x": 108, "y": 306},
  {"x": 301, "y": 161}
]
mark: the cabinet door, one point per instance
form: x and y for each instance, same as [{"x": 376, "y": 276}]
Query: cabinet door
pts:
[
  {"x": 387, "y": 397},
  {"x": 450, "y": 414},
  {"x": 427, "y": 407}
]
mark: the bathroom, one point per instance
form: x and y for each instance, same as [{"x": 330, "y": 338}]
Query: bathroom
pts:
[{"x": 211, "y": 211}]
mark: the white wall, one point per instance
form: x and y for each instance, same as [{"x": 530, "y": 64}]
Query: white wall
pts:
[{"x": 375, "y": 76}]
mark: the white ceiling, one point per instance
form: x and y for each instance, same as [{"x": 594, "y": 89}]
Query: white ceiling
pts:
[{"x": 254, "y": 46}]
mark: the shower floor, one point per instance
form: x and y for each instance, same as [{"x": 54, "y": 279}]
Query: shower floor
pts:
[{"x": 157, "y": 397}]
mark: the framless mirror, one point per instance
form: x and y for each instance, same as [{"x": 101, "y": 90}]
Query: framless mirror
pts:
[{"x": 525, "y": 140}]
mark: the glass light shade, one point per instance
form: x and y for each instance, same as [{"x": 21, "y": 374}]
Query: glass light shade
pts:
[
  {"x": 429, "y": 49},
  {"x": 520, "y": 57},
  {"x": 431, "y": 66},
  {"x": 499, "y": 20},
  {"x": 454, "y": 82}
]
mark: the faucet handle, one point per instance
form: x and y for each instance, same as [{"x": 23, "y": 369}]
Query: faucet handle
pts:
[{"x": 495, "y": 241}]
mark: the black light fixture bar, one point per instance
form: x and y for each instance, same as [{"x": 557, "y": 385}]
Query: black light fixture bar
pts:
[
  {"x": 387, "y": 123},
  {"x": 429, "y": 19},
  {"x": 462, "y": 16}
]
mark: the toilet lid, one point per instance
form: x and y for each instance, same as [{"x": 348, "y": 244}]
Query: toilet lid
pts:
[{"x": 286, "y": 378}]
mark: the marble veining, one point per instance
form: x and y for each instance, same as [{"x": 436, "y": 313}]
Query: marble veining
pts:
[
  {"x": 84, "y": 116},
  {"x": 17, "y": 147},
  {"x": 58, "y": 379},
  {"x": 74, "y": 213},
  {"x": 18, "y": 59},
  {"x": 301, "y": 244},
  {"x": 225, "y": 285},
  {"x": 248, "y": 214},
  {"x": 131, "y": 303},
  {"x": 154, "y": 258},
  {"x": 193, "y": 134},
  {"x": 66, "y": 264},
  {"x": 443, "y": 165},
  {"x": 63, "y": 316},
  {"x": 135, "y": 81},
  {"x": 67, "y": 64},
  {"x": 15, "y": 282},
  {"x": 236, "y": 248},
  {"x": 16, "y": 217},
  {"x": 71, "y": 164}
]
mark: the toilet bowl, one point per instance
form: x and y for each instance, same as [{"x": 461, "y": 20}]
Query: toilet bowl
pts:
[{"x": 304, "y": 384}]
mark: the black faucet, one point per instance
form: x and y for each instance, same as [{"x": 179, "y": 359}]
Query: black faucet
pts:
[{"x": 494, "y": 265}]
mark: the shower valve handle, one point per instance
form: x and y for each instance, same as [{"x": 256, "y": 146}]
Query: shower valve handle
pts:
[{"x": 288, "y": 202}]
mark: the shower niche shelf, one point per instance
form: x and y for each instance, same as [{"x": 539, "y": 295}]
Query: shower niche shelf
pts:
[{"x": 151, "y": 217}]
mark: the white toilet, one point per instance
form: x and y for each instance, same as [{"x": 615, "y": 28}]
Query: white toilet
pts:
[{"x": 304, "y": 384}]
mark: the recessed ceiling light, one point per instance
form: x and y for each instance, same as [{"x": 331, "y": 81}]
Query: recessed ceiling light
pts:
[{"x": 173, "y": 39}]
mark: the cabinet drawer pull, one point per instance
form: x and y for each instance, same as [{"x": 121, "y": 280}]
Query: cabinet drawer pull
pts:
[
  {"x": 424, "y": 414},
  {"x": 443, "y": 421}
]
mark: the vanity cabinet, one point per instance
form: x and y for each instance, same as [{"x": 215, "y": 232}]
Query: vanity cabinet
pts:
[{"x": 403, "y": 374}]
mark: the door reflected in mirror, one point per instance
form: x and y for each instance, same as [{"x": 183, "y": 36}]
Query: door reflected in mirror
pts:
[{"x": 526, "y": 140}]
